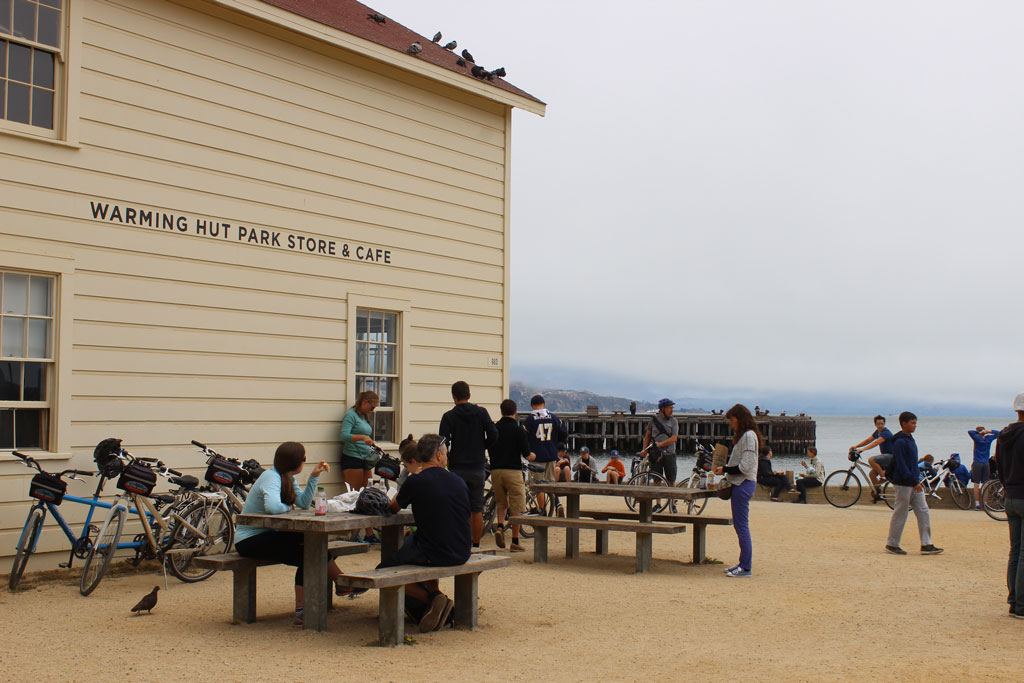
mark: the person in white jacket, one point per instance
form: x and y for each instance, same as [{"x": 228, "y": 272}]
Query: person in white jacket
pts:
[{"x": 741, "y": 472}]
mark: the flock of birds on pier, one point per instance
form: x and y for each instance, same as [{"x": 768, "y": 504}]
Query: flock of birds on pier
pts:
[{"x": 465, "y": 58}]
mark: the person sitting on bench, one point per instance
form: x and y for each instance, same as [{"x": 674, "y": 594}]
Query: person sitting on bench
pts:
[
  {"x": 440, "y": 504},
  {"x": 776, "y": 481},
  {"x": 615, "y": 469}
]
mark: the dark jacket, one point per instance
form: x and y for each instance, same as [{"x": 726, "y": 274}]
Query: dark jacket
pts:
[
  {"x": 764, "y": 469},
  {"x": 470, "y": 431},
  {"x": 511, "y": 447},
  {"x": 1010, "y": 456},
  {"x": 904, "y": 460}
]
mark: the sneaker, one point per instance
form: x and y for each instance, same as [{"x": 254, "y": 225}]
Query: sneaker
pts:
[
  {"x": 1017, "y": 615},
  {"x": 672, "y": 508},
  {"x": 896, "y": 550},
  {"x": 875, "y": 497},
  {"x": 516, "y": 548},
  {"x": 347, "y": 591},
  {"x": 298, "y": 619},
  {"x": 371, "y": 539},
  {"x": 739, "y": 573},
  {"x": 930, "y": 550},
  {"x": 445, "y": 614},
  {"x": 977, "y": 506},
  {"x": 499, "y": 537},
  {"x": 732, "y": 568},
  {"x": 560, "y": 512},
  {"x": 432, "y": 617}
]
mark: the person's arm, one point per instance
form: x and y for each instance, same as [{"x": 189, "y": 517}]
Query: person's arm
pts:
[
  {"x": 647, "y": 439},
  {"x": 348, "y": 424},
  {"x": 490, "y": 430},
  {"x": 304, "y": 498},
  {"x": 524, "y": 446},
  {"x": 559, "y": 429},
  {"x": 606, "y": 468},
  {"x": 272, "y": 497},
  {"x": 879, "y": 440},
  {"x": 444, "y": 430},
  {"x": 862, "y": 443}
]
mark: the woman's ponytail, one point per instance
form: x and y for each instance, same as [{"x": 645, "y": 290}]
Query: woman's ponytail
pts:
[{"x": 289, "y": 457}]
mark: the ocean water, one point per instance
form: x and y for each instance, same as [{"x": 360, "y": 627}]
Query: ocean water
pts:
[{"x": 939, "y": 436}]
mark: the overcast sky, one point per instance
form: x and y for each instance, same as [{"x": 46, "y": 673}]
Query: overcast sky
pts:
[{"x": 799, "y": 196}]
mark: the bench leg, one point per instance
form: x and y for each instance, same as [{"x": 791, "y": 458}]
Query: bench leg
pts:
[
  {"x": 391, "y": 619},
  {"x": 314, "y": 580},
  {"x": 540, "y": 544},
  {"x": 643, "y": 553},
  {"x": 466, "y": 586},
  {"x": 602, "y": 541},
  {"x": 699, "y": 542},
  {"x": 572, "y": 536},
  {"x": 244, "y": 596}
]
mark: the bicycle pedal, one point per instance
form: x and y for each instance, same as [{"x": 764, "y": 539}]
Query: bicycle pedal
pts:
[{"x": 64, "y": 565}]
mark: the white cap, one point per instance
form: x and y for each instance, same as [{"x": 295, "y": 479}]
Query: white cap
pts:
[{"x": 1018, "y": 403}]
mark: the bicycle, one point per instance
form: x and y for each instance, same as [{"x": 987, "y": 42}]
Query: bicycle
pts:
[
  {"x": 992, "y": 500},
  {"x": 931, "y": 480},
  {"x": 532, "y": 506},
  {"x": 229, "y": 476},
  {"x": 47, "y": 503},
  {"x": 641, "y": 475},
  {"x": 698, "y": 479},
  {"x": 202, "y": 526},
  {"x": 843, "y": 487}
]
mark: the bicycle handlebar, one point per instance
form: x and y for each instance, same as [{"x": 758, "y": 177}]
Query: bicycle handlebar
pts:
[{"x": 198, "y": 444}]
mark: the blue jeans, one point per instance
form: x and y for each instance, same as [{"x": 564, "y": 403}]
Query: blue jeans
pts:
[
  {"x": 740, "y": 501},
  {"x": 1015, "y": 568}
]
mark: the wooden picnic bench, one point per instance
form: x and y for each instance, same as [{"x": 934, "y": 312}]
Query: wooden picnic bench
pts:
[
  {"x": 391, "y": 582},
  {"x": 700, "y": 524},
  {"x": 243, "y": 569},
  {"x": 643, "y": 530}
]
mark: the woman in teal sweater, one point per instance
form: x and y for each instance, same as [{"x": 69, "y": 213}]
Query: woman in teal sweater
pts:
[{"x": 356, "y": 439}]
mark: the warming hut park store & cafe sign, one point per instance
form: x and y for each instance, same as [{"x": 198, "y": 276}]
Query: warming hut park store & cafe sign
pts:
[{"x": 222, "y": 230}]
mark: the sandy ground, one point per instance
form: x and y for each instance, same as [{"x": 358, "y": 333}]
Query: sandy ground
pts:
[{"x": 826, "y": 602}]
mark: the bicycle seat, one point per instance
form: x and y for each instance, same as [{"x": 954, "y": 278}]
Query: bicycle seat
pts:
[
  {"x": 536, "y": 468},
  {"x": 163, "y": 498},
  {"x": 185, "y": 481}
]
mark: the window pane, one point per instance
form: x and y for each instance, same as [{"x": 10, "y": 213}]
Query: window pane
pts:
[
  {"x": 29, "y": 426},
  {"x": 49, "y": 26},
  {"x": 3, "y": 99},
  {"x": 390, "y": 328},
  {"x": 361, "y": 357},
  {"x": 5, "y": 18},
  {"x": 6, "y": 428},
  {"x": 383, "y": 426},
  {"x": 3, "y": 49},
  {"x": 388, "y": 359},
  {"x": 12, "y": 338},
  {"x": 39, "y": 296},
  {"x": 15, "y": 293},
  {"x": 42, "y": 108},
  {"x": 364, "y": 383},
  {"x": 17, "y": 102},
  {"x": 385, "y": 389},
  {"x": 376, "y": 326},
  {"x": 42, "y": 69},
  {"x": 38, "y": 338},
  {"x": 373, "y": 358},
  {"x": 19, "y": 66},
  {"x": 361, "y": 325},
  {"x": 25, "y": 19},
  {"x": 10, "y": 381},
  {"x": 51, "y": 3},
  {"x": 35, "y": 382}
]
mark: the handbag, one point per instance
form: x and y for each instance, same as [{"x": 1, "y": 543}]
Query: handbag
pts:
[{"x": 724, "y": 490}]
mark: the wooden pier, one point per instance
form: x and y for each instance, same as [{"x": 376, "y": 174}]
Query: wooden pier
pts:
[{"x": 605, "y": 431}]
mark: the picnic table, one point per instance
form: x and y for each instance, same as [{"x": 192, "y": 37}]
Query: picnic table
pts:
[
  {"x": 315, "y": 529},
  {"x": 643, "y": 522}
]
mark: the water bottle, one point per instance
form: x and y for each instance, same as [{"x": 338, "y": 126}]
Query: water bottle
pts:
[{"x": 321, "y": 501}]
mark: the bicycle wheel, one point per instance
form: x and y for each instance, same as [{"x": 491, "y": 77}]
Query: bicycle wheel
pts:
[
  {"x": 842, "y": 488},
  {"x": 102, "y": 550},
  {"x": 647, "y": 479},
  {"x": 697, "y": 505},
  {"x": 959, "y": 493},
  {"x": 888, "y": 494},
  {"x": 532, "y": 508},
  {"x": 214, "y": 537},
  {"x": 490, "y": 510},
  {"x": 26, "y": 544},
  {"x": 992, "y": 500}
]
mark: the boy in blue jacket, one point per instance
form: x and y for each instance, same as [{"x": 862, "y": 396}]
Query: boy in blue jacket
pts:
[{"x": 906, "y": 479}]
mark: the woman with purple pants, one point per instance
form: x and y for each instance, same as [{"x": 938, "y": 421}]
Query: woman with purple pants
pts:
[{"x": 741, "y": 472}]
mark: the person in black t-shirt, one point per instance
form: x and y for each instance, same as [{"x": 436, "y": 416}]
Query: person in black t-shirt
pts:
[
  {"x": 440, "y": 504},
  {"x": 507, "y": 455}
]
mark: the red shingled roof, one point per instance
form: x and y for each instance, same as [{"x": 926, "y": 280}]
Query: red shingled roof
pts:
[{"x": 351, "y": 17}]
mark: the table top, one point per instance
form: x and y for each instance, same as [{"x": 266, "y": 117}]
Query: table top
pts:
[
  {"x": 643, "y": 492},
  {"x": 307, "y": 520}
]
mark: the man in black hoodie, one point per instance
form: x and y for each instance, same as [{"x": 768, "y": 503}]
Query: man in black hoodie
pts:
[
  {"x": 1010, "y": 457},
  {"x": 469, "y": 431},
  {"x": 906, "y": 479}
]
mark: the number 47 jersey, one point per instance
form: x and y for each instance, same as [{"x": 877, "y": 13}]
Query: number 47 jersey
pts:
[{"x": 544, "y": 432}]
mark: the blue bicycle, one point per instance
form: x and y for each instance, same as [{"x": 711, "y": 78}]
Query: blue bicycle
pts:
[{"x": 49, "y": 490}]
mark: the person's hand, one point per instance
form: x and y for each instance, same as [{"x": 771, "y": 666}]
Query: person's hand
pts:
[
  {"x": 531, "y": 457},
  {"x": 719, "y": 470},
  {"x": 919, "y": 487},
  {"x": 803, "y": 463},
  {"x": 321, "y": 467},
  {"x": 365, "y": 439}
]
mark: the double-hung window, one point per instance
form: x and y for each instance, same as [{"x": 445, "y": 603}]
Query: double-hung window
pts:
[
  {"x": 32, "y": 62},
  {"x": 26, "y": 359},
  {"x": 377, "y": 366}
]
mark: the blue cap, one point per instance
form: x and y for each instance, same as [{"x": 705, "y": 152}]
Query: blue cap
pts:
[
  {"x": 665, "y": 402},
  {"x": 614, "y": 453}
]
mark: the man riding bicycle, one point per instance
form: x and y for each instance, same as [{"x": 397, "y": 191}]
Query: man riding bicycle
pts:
[{"x": 663, "y": 432}]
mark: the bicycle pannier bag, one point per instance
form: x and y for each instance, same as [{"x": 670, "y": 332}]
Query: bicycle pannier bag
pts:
[
  {"x": 223, "y": 472},
  {"x": 137, "y": 479},
  {"x": 388, "y": 468},
  {"x": 48, "y": 488}
]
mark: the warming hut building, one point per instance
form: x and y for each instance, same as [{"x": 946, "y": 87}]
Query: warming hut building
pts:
[{"x": 221, "y": 219}]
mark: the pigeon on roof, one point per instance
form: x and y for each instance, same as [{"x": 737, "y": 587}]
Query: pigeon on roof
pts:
[
  {"x": 460, "y": 61},
  {"x": 469, "y": 57},
  {"x": 379, "y": 18},
  {"x": 436, "y": 38},
  {"x": 500, "y": 72},
  {"x": 148, "y": 602},
  {"x": 478, "y": 71},
  {"x": 451, "y": 46},
  {"x": 415, "y": 49}
]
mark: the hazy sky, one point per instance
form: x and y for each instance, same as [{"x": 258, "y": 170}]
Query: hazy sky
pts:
[{"x": 808, "y": 197}]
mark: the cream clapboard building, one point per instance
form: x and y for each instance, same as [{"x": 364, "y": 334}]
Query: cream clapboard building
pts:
[{"x": 220, "y": 219}]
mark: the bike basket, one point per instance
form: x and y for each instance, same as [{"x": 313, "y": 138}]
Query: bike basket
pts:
[
  {"x": 137, "y": 479},
  {"x": 388, "y": 468},
  {"x": 48, "y": 488},
  {"x": 224, "y": 472}
]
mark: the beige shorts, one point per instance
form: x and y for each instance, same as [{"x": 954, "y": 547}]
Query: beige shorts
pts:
[
  {"x": 547, "y": 475},
  {"x": 509, "y": 490}
]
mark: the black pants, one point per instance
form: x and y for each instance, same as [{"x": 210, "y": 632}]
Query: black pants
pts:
[
  {"x": 778, "y": 482},
  {"x": 805, "y": 483},
  {"x": 280, "y": 546}
]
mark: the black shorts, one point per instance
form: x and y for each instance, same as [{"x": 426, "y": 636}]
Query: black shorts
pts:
[
  {"x": 475, "y": 483},
  {"x": 980, "y": 472},
  {"x": 285, "y": 547},
  {"x": 350, "y": 463},
  {"x": 409, "y": 553},
  {"x": 666, "y": 467}
]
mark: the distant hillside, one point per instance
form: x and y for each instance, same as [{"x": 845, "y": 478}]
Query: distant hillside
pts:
[{"x": 574, "y": 401}]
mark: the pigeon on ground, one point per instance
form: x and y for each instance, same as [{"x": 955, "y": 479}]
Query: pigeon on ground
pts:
[
  {"x": 148, "y": 602},
  {"x": 451, "y": 46},
  {"x": 499, "y": 72},
  {"x": 379, "y": 18},
  {"x": 469, "y": 57},
  {"x": 436, "y": 38},
  {"x": 460, "y": 61},
  {"x": 415, "y": 49}
]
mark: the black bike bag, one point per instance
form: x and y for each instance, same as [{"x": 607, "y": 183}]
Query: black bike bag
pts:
[
  {"x": 137, "y": 479},
  {"x": 224, "y": 472},
  {"x": 48, "y": 488}
]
